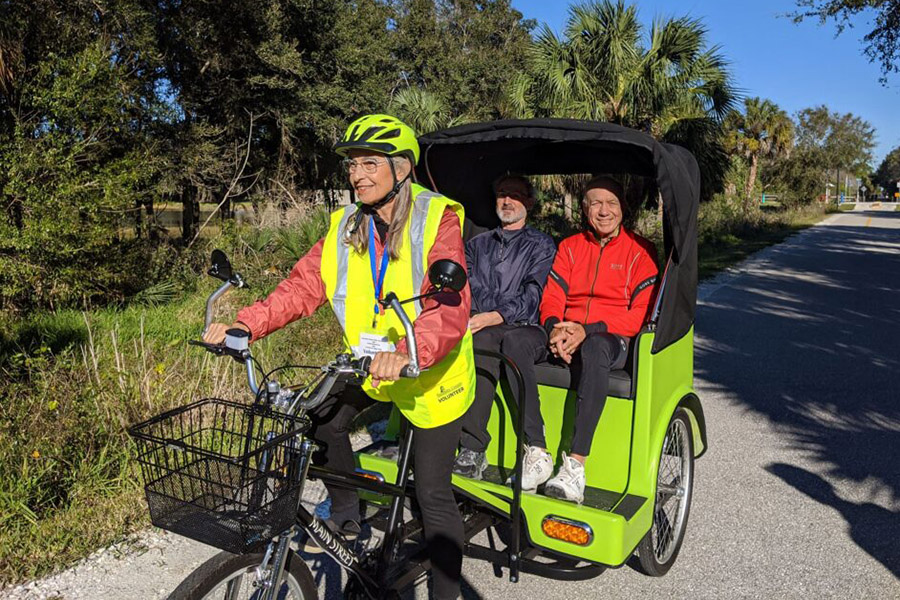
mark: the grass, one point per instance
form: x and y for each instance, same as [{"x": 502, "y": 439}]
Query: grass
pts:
[
  {"x": 846, "y": 206},
  {"x": 723, "y": 244},
  {"x": 76, "y": 380}
]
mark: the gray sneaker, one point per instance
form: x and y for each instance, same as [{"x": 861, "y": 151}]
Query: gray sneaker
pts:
[
  {"x": 470, "y": 463},
  {"x": 569, "y": 481},
  {"x": 536, "y": 468}
]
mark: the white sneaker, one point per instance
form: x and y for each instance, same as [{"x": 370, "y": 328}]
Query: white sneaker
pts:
[
  {"x": 569, "y": 481},
  {"x": 536, "y": 468}
]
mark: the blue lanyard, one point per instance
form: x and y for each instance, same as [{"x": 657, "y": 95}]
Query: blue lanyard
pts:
[{"x": 377, "y": 277}]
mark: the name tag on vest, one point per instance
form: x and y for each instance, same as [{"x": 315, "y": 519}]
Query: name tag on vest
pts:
[{"x": 372, "y": 343}]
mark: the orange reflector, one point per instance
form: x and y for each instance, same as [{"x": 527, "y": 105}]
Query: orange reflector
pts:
[
  {"x": 565, "y": 530},
  {"x": 370, "y": 475}
]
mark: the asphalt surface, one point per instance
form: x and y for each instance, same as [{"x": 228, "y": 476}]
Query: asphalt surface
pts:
[{"x": 797, "y": 366}]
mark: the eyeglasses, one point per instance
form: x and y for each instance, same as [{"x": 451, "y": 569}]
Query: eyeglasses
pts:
[{"x": 368, "y": 165}]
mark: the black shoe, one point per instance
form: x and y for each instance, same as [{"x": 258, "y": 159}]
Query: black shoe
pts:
[
  {"x": 470, "y": 463},
  {"x": 349, "y": 531}
]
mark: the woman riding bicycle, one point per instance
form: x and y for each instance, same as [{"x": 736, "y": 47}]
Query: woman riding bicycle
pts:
[{"x": 385, "y": 242}]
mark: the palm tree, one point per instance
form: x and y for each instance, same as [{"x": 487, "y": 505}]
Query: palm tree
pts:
[
  {"x": 422, "y": 110},
  {"x": 762, "y": 131},
  {"x": 670, "y": 84}
]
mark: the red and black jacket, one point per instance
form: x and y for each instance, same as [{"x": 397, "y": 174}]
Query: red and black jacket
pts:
[{"x": 605, "y": 288}]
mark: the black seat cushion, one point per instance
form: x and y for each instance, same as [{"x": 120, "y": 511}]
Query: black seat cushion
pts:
[{"x": 557, "y": 374}]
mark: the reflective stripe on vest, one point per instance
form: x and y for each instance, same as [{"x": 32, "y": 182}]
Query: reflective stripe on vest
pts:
[{"x": 443, "y": 392}]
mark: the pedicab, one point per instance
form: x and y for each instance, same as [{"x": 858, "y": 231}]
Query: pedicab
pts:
[
  {"x": 232, "y": 475},
  {"x": 640, "y": 471}
]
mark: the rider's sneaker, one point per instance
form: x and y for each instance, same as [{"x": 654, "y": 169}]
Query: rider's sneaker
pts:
[
  {"x": 569, "y": 481},
  {"x": 536, "y": 468},
  {"x": 470, "y": 463},
  {"x": 350, "y": 530}
]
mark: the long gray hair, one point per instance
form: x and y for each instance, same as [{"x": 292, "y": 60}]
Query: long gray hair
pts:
[{"x": 359, "y": 238}]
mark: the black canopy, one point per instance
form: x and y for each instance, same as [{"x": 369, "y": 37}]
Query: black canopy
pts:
[{"x": 461, "y": 162}]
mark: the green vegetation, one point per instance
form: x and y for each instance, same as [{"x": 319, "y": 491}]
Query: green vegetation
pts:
[
  {"x": 762, "y": 131},
  {"x": 76, "y": 380},
  {"x": 666, "y": 79},
  {"x": 846, "y": 206},
  {"x": 727, "y": 237},
  {"x": 888, "y": 173}
]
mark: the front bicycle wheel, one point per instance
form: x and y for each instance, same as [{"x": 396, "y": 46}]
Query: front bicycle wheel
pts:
[{"x": 228, "y": 576}]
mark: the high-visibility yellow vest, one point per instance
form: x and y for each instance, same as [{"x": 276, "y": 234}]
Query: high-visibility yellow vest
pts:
[{"x": 444, "y": 392}]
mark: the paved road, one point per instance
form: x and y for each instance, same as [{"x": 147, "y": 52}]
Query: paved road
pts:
[{"x": 797, "y": 366}]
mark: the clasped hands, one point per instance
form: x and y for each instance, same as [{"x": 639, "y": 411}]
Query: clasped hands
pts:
[{"x": 565, "y": 339}]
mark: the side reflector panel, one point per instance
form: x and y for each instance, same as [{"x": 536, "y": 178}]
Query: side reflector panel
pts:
[{"x": 566, "y": 530}]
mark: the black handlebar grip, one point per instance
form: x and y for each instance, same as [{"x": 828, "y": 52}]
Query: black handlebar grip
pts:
[
  {"x": 363, "y": 363},
  {"x": 214, "y": 348},
  {"x": 404, "y": 372}
]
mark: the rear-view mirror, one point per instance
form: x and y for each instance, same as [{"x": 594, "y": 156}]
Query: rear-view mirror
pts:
[
  {"x": 221, "y": 267},
  {"x": 447, "y": 275}
]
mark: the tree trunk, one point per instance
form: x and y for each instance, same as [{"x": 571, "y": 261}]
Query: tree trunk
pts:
[
  {"x": 138, "y": 219},
  {"x": 751, "y": 181},
  {"x": 659, "y": 211},
  {"x": 190, "y": 213},
  {"x": 152, "y": 225},
  {"x": 568, "y": 202}
]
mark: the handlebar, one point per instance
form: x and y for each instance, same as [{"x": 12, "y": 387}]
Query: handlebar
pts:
[
  {"x": 407, "y": 372},
  {"x": 237, "y": 345}
]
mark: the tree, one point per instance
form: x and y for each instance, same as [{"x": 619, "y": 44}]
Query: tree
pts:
[
  {"x": 77, "y": 114},
  {"x": 888, "y": 173},
  {"x": 882, "y": 42},
  {"x": 462, "y": 56},
  {"x": 669, "y": 84},
  {"x": 421, "y": 109},
  {"x": 762, "y": 131},
  {"x": 827, "y": 145}
]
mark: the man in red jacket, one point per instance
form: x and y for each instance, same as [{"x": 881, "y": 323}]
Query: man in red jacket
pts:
[{"x": 598, "y": 296}]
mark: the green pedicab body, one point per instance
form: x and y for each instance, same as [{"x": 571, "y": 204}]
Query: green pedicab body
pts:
[{"x": 621, "y": 469}]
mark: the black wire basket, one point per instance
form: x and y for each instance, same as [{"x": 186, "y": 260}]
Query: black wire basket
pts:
[{"x": 222, "y": 473}]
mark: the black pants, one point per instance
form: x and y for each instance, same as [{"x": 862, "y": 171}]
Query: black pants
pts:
[
  {"x": 593, "y": 360},
  {"x": 487, "y": 374},
  {"x": 433, "y": 453}
]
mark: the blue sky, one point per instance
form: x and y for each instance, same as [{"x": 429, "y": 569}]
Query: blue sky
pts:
[{"x": 796, "y": 66}]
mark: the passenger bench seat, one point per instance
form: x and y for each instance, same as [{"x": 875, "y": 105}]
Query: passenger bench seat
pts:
[{"x": 556, "y": 373}]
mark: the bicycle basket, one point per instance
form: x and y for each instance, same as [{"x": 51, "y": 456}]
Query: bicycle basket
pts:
[{"x": 222, "y": 473}]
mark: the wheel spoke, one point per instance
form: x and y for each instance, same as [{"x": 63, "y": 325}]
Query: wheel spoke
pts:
[
  {"x": 671, "y": 491},
  {"x": 234, "y": 588}
]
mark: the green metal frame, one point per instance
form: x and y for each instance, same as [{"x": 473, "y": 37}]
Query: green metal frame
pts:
[{"x": 622, "y": 466}]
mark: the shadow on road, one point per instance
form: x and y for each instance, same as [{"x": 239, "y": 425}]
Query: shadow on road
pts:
[
  {"x": 810, "y": 340},
  {"x": 867, "y": 522}
]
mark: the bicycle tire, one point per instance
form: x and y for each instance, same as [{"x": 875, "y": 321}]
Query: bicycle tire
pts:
[
  {"x": 660, "y": 547},
  {"x": 214, "y": 575}
]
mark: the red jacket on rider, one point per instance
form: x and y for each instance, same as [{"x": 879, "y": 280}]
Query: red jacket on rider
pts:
[{"x": 608, "y": 287}]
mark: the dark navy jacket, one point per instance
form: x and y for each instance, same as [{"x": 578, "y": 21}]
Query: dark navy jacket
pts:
[{"x": 508, "y": 271}]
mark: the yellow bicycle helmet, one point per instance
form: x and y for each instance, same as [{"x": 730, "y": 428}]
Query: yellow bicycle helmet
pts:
[{"x": 381, "y": 133}]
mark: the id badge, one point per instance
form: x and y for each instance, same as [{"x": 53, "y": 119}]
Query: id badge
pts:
[{"x": 372, "y": 343}]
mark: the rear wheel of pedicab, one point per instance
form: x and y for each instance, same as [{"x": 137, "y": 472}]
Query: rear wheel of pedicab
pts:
[
  {"x": 231, "y": 577},
  {"x": 674, "y": 487}
]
